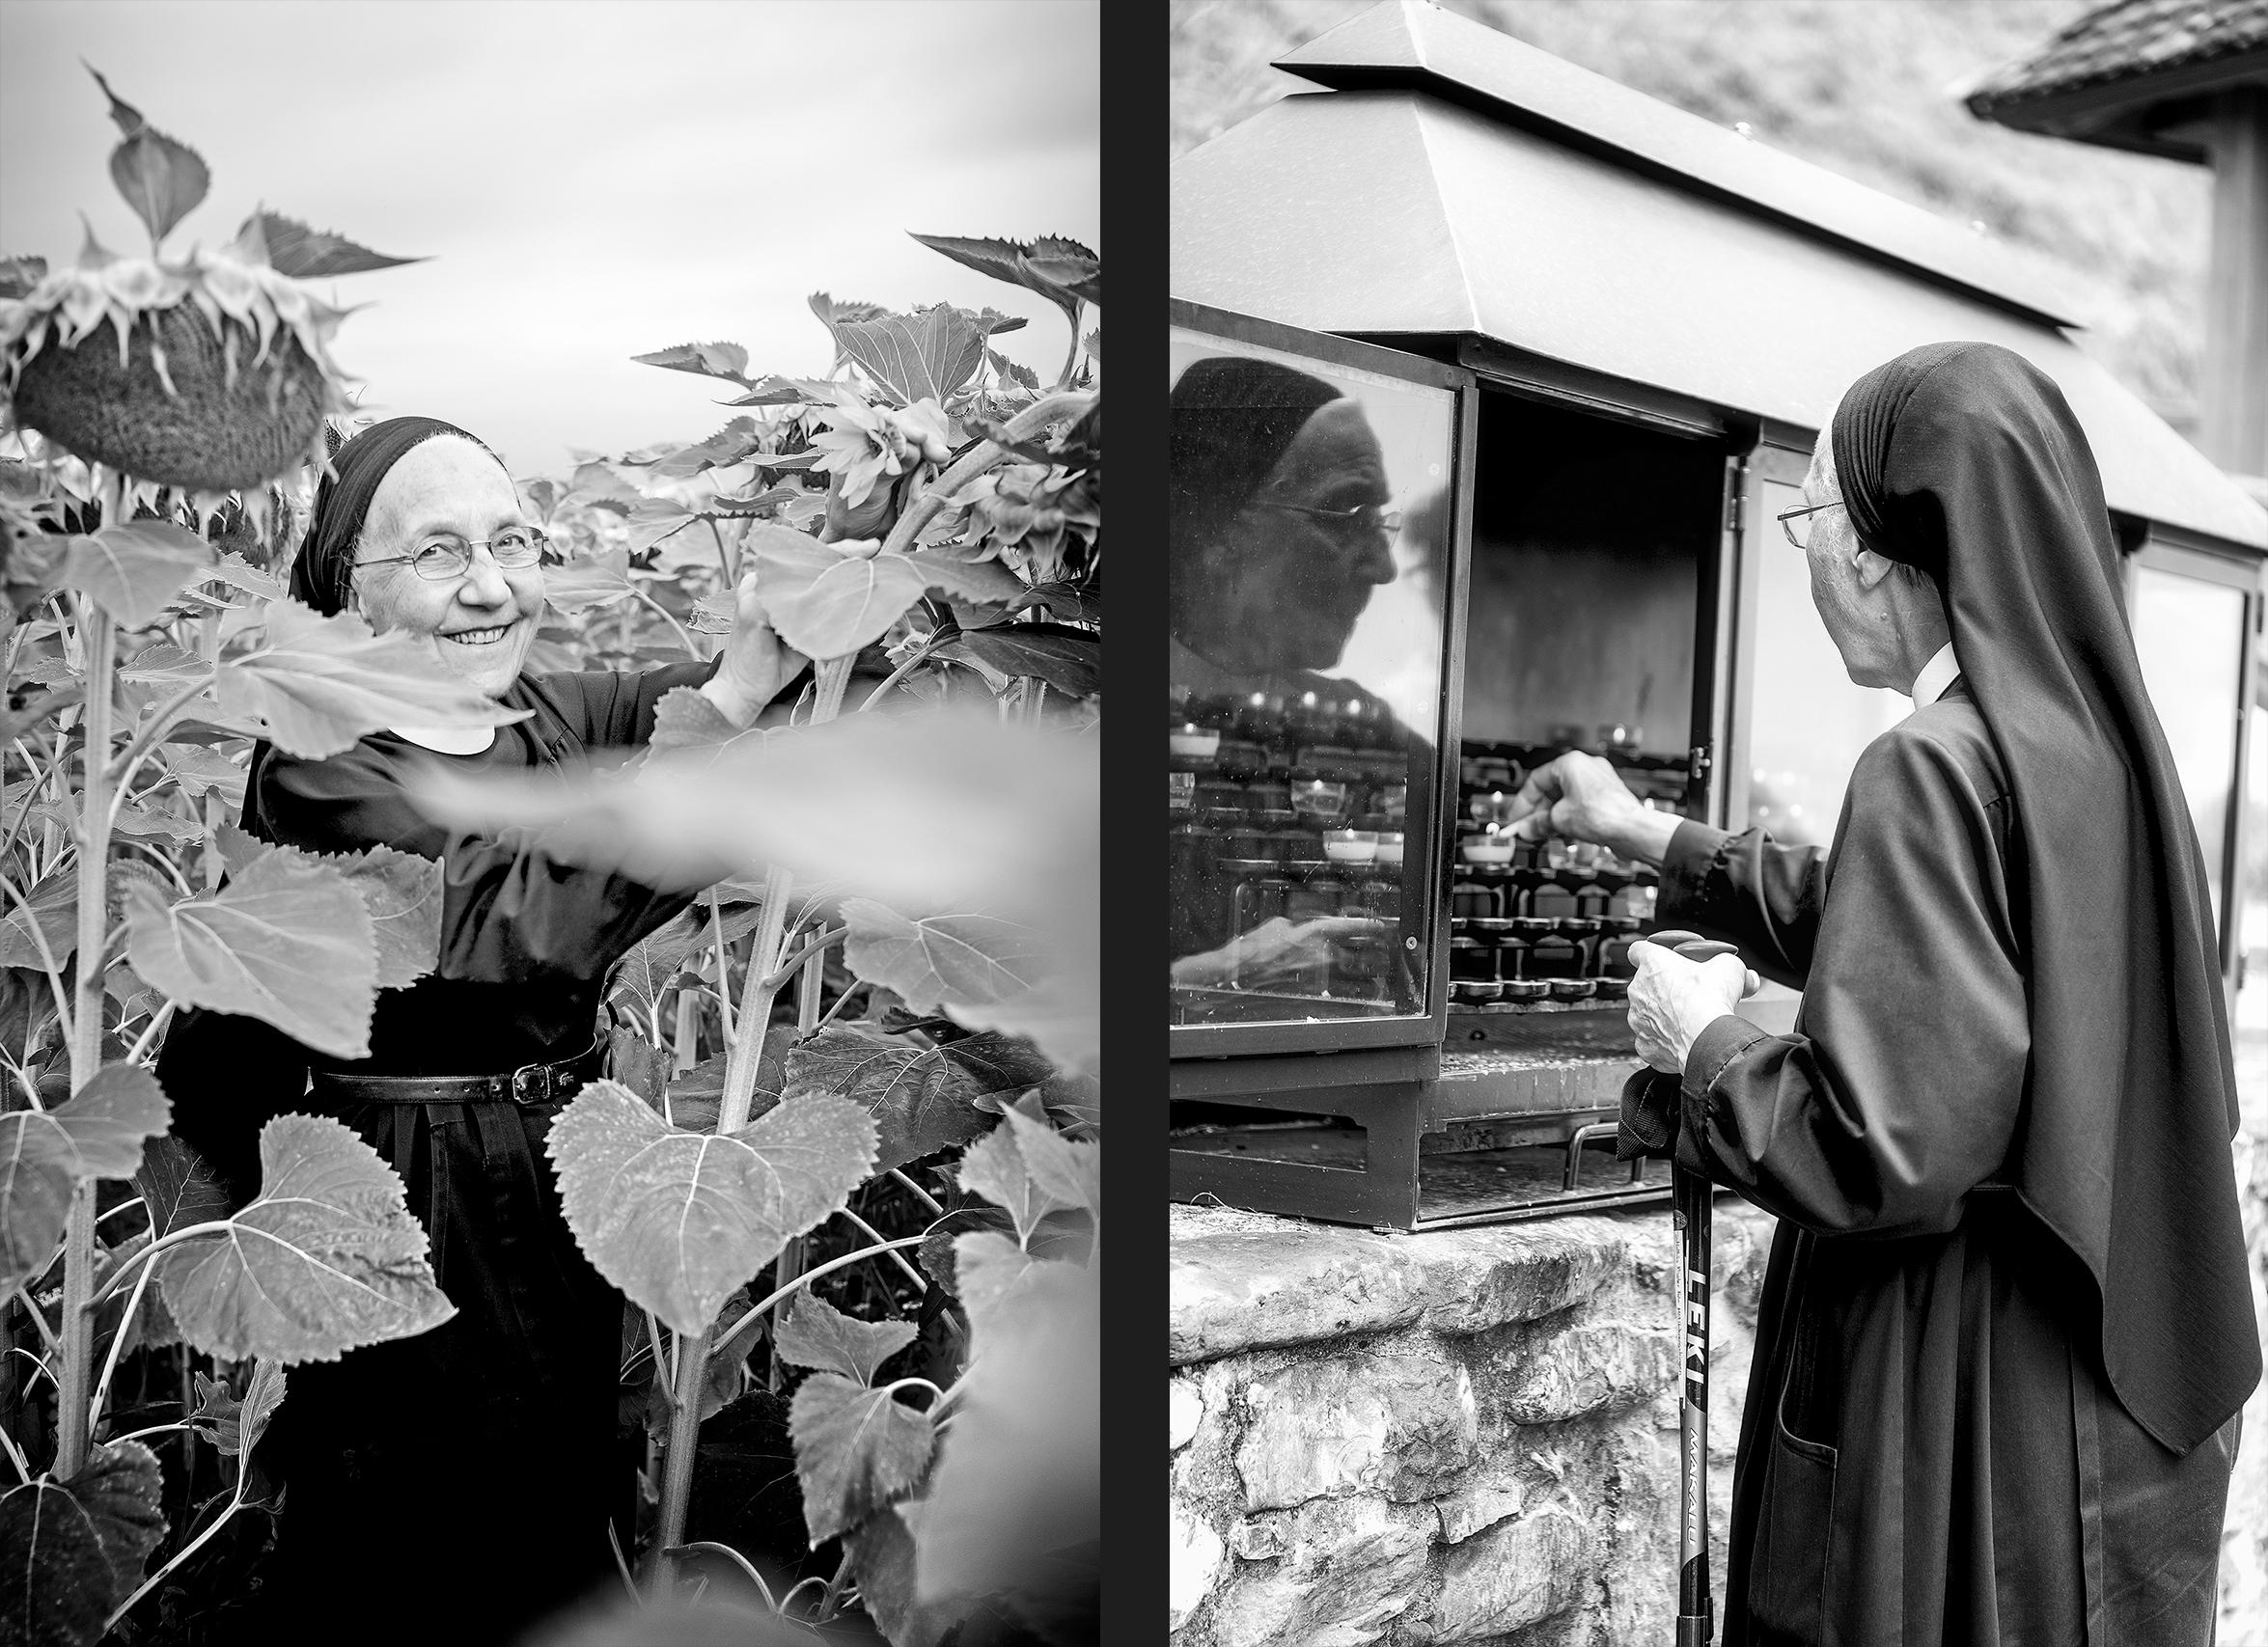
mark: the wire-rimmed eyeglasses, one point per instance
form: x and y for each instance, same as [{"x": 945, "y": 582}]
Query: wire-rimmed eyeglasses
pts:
[
  {"x": 1371, "y": 516},
  {"x": 444, "y": 555},
  {"x": 1788, "y": 517}
]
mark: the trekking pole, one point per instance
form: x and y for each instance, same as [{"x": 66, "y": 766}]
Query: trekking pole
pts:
[{"x": 1691, "y": 1207}]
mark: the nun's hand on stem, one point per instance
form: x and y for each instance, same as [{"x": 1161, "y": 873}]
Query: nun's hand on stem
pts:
[
  {"x": 756, "y": 663},
  {"x": 1672, "y": 999}
]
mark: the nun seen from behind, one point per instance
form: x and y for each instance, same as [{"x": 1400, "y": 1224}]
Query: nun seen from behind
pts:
[
  {"x": 2006, "y": 1332},
  {"x": 457, "y": 1485}
]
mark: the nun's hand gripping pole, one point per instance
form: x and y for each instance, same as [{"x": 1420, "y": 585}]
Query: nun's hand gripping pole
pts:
[{"x": 1691, "y": 1207}]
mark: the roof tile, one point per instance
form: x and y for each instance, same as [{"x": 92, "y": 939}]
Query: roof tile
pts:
[{"x": 2127, "y": 40}]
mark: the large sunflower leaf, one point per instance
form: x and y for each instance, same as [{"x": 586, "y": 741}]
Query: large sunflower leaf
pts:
[
  {"x": 1067, "y": 1172},
  {"x": 940, "y": 960},
  {"x": 313, "y": 254},
  {"x": 988, "y": 581},
  {"x": 1057, "y": 263},
  {"x": 179, "y": 1186},
  {"x": 403, "y": 893},
  {"x": 133, "y": 571},
  {"x": 289, "y": 941},
  {"x": 921, "y": 1099},
  {"x": 235, "y": 1426},
  {"x": 600, "y": 580},
  {"x": 46, "y": 1154},
  {"x": 881, "y": 1551},
  {"x": 856, "y": 1450},
  {"x": 1068, "y": 659},
  {"x": 727, "y": 446},
  {"x": 53, "y": 910},
  {"x": 708, "y": 360},
  {"x": 925, "y": 356},
  {"x": 678, "y": 1219},
  {"x": 1062, "y": 271},
  {"x": 161, "y": 179},
  {"x": 401, "y": 889},
  {"x": 814, "y": 1333},
  {"x": 324, "y": 1259},
  {"x": 994, "y": 1168},
  {"x": 77, "y": 1548},
  {"x": 316, "y": 684},
  {"x": 825, "y": 603}
]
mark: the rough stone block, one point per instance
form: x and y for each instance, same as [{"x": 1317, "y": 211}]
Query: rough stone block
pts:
[
  {"x": 1193, "y": 1565},
  {"x": 1241, "y": 1281},
  {"x": 1350, "y": 1567},
  {"x": 1521, "y": 1571},
  {"x": 1591, "y": 1365},
  {"x": 1288, "y": 1282},
  {"x": 1184, "y": 1411},
  {"x": 1475, "y": 1280},
  {"x": 1259, "y": 1538},
  {"x": 1477, "y": 1507},
  {"x": 1396, "y": 1421}
]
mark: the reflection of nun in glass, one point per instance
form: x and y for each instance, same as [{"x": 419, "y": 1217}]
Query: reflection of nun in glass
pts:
[
  {"x": 1279, "y": 529},
  {"x": 1278, "y": 535}
]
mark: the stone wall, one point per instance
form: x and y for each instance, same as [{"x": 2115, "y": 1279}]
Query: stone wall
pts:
[
  {"x": 1463, "y": 1436},
  {"x": 1470, "y": 1437}
]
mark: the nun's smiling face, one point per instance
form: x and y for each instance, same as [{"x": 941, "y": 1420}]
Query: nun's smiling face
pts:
[{"x": 481, "y": 625}]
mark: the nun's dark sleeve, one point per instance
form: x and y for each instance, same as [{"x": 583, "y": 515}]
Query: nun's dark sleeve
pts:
[
  {"x": 511, "y": 912},
  {"x": 1901, "y": 1089},
  {"x": 615, "y": 708},
  {"x": 1747, "y": 890}
]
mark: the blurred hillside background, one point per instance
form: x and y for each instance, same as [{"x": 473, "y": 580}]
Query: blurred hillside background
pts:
[{"x": 1864, "y": 88}]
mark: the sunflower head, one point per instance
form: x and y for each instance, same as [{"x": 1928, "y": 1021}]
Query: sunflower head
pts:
[
  {"x": 212, "y": 374},
  {"x": 209, "y": 375}
]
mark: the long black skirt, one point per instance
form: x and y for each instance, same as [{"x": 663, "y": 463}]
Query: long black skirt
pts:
[
  {"x": 1931, "y": 1455},
  {"x": 459, "y": 1486}
]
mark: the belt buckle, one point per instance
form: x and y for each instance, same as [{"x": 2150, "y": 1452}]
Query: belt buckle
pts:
[{"x": 531, "y": 1083}]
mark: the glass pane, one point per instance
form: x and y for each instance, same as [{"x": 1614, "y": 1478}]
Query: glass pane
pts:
[
  {"x": 2190, "y": 636},
  {"x": 1310, "y": 538},
  {"x": 1808, "y": 722}
]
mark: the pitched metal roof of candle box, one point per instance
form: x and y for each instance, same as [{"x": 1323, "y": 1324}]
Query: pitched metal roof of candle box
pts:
[
  {"x": 2136, "y": 74},
  {"x": 1454, "y": 182}
]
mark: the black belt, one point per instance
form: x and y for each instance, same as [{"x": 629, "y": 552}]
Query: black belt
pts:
[{"x": 532, "y": 1083}]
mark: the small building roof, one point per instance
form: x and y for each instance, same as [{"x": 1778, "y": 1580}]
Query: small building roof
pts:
[
  {"x": 2135, "y": 74},
  {"x": 1461, "y": 183}
]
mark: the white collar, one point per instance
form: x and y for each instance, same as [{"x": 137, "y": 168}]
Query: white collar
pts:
[
  {"x": 1935, "y": 676},
  {"x": 447, "y": 740}
]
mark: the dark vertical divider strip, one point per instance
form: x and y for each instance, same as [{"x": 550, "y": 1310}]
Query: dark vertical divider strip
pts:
[{"x": 1135, "y": 224}]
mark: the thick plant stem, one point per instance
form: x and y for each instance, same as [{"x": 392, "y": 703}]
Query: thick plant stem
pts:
[
  {"x": 86, "y": 1041},
  {"x": 756, "y": 1005},
  {"x": 829, "y": 678},
  {"x": 741, "y": 1063},
  {"x": 677, "y": 1482}
]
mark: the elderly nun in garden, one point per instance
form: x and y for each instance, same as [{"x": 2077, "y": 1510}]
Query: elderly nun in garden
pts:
[
  {"x": 2006, "y": 1332},
  {"x": 455, "y": 1485}
]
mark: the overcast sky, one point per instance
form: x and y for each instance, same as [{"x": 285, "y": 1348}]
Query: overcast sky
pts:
[{"x": 589, "y": 179}]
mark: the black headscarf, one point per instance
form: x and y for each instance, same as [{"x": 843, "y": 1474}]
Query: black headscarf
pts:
[
  {"x": 1233, "y": 419},
  {"x": 324, "y": 568},
  {"x": 1964, "y": 459}
]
